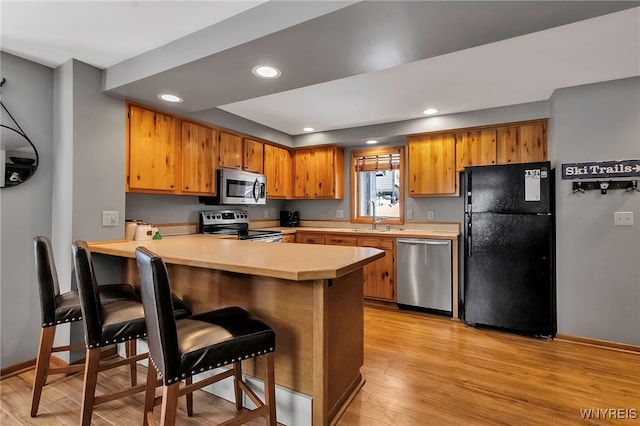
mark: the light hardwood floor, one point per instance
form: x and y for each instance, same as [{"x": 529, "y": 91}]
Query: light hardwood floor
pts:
[{"x": 419, "y": 370}]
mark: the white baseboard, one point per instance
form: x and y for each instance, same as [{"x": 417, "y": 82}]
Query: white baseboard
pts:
[{"x": 292, "y": 408}]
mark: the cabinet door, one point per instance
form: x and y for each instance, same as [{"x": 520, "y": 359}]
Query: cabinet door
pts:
[
  {"x": 303, "y": 174},
  {"x": 476, "y": 148},
  {"x": 378, "y": 278},
  {"x": 522, "y": 144},
  {"x": 431, "y": 164},
  {"x": 253, "y": 156},
  {"x": 277, "y": 168},
  {"x": 151, "y": 150},
  {"x": 230, "y": 148},
  {"x": 323, "y": 172},
  {"x": 198, "y": 159}
]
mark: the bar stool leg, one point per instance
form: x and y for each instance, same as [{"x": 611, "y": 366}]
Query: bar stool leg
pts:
[
  {"x": 270, "y": 390},
  {"x": 189, "y": 396},
  {"x": 47, "y": 336},
  {"x": 92, "y": 360},
  {"x": 130, "y": 348},
  {"x": 237, "y": 377},
  {"x": 149, "y": 394},
  {"x": 169, "y": 404}
]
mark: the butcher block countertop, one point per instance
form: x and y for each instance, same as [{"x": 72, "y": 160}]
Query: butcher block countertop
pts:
[{"x": 296, "y": 262}]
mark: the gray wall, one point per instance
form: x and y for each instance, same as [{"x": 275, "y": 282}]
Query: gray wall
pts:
[
  {"x": 25, "y": 210},
  {"x": 598, "y": 263},
  {"x": 185, "y": 208}
]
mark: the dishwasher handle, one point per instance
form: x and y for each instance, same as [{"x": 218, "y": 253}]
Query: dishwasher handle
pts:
[{"x": 423, "y": 242}]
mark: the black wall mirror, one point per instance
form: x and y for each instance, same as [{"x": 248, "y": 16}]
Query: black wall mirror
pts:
[{"x": 18, "y": 155}]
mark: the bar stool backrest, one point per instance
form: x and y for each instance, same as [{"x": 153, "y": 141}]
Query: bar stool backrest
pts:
[
  {"x": 47, "y": 279},
  {"x": 158, "y": 313},
  {"x": 88, "y": 291}
]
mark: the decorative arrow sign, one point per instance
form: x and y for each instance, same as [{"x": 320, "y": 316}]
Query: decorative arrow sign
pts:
[{"x": 602, "y": 169}]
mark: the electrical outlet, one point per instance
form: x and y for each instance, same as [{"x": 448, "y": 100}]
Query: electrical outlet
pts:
[
  {"x": 339, "y": 214},
  {"x": 623, "y": 218},
  {"x": 409, "y": 214},
  {"x": 266, "y": 214},
  {"x": 429, "y": 215},
  {"x": 110, "y": 218}
]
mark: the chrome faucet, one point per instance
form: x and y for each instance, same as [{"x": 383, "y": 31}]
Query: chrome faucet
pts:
[{"x": 373, "y": 214}]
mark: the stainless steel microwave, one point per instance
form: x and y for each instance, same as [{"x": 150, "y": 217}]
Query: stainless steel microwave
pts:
[{"x": 237, "y": 187}]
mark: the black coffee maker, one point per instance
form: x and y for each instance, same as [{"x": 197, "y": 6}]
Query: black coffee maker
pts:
[{"x": 289, "y": 218}]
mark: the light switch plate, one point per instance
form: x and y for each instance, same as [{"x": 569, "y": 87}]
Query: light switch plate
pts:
[
  {"x": 110, "y": 218},
  {"x": 339, "y": 214},
  {"x": 623, "y": 218}
]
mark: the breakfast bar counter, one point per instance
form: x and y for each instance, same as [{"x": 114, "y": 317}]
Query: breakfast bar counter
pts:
[{"x": 310, "y": 295}]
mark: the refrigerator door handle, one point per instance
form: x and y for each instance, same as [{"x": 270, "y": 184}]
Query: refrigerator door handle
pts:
[
  {"x": 469, "y": 235},
  {"x": 468, "y": 188}
]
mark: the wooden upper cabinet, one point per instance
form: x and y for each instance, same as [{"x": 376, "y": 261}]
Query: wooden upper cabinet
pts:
[
  {"x": 431, "y": 165},
  {"x": 230, "y": 150},
  {"x": 324, "y": 170},
  {"x": 523, "y": 143},
  {"x": 303, "y": 174},
  {"x": 151, "y": 150},
  {"x": 277, "y": 168},
  {"x": 253, "y": 154},
  {"x": 476, "y": 148},
  {"x": 319, "y": 172},
  {"x": 199, "y": 159}
]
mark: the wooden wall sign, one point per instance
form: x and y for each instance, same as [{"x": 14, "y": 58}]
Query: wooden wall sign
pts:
[{"x": 601, "y": 169}]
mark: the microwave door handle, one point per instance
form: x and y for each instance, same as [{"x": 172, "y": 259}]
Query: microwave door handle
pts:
[{"x": 255, "y": 194}]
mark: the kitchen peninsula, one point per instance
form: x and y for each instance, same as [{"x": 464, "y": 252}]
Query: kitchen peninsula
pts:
[{"x": 310, "y": 295}]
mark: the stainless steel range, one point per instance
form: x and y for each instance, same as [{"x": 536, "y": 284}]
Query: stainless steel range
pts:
[{"x": 234, "y": 222}]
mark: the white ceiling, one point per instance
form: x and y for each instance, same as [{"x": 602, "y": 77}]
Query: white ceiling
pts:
[{"x": 344, "y": 64}]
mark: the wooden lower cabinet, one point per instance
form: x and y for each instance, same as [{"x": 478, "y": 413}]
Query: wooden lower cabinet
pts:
[
  {"x": 379, "y": 277},
  {"x": 288, "y": 238}
]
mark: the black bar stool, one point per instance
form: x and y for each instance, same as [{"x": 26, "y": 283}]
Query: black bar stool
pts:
[
  {"x": 180, "y": 349},
  {"x": 120, "y": 321},
  {"x": 58, "y": 308}
]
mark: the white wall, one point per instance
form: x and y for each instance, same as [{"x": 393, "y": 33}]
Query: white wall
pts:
[
  {"x": 598, "y": 263},
  {"x": 25, "y": 210}
]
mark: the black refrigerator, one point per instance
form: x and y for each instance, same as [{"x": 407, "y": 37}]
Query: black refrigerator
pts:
[{"x": 509, "y": 246}]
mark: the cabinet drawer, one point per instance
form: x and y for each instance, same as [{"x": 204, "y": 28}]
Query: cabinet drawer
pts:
[
  {"x": 340, "y": 240},
  {"x": 375, "y": 242},
  {"x": 309, "y": 238}
]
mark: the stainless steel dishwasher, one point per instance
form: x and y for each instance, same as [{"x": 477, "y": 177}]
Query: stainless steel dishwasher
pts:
[{"x": 424, "y": 275}]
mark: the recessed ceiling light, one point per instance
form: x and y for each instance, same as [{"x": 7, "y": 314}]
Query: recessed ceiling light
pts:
[
  {"x": 308, "y": 129},
  {"x": 371, "y": 142},
  {"x": 266, "y": 71},
  {"x": 430, "y": 111},
  {"x": 170, "y": 98}
]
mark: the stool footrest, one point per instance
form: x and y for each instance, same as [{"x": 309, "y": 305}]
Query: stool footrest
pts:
[
  {"x": 117, "y": 395},
  {"x": 123, "y": 361}
]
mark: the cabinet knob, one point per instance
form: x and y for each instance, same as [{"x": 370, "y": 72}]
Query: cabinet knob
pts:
[{"x": 170, "y": 186}]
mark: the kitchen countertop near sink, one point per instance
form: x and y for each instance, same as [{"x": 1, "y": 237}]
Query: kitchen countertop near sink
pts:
[{"x": 393, "y": 232}]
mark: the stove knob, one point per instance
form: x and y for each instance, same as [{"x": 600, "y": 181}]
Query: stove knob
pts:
[{"x": 208, "y": 217}]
